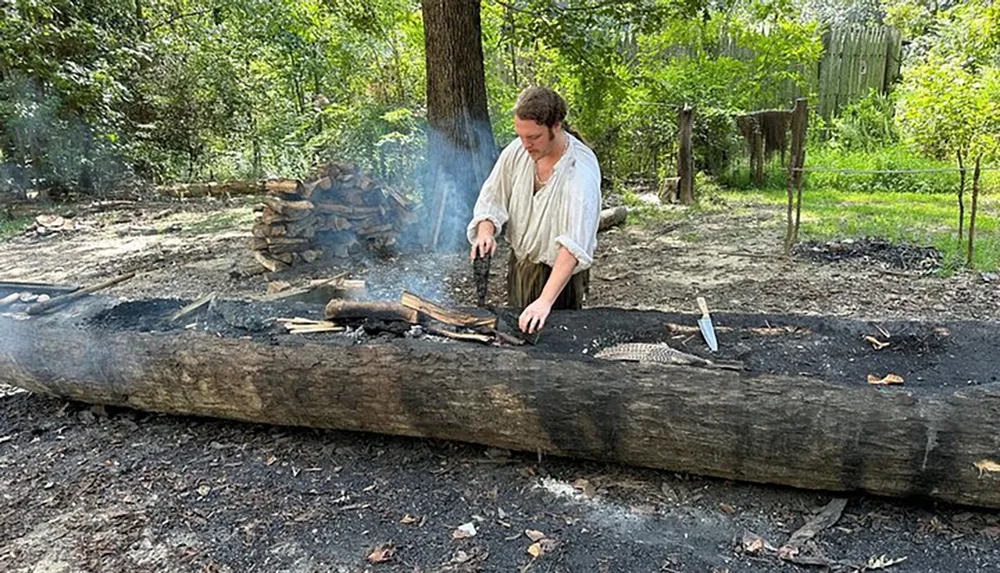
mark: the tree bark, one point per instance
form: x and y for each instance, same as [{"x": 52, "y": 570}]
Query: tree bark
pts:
[
  {"x": 972, "y": 213},
  {"x": 461, "y": 148},
  {"x": 792, "y": 430}
]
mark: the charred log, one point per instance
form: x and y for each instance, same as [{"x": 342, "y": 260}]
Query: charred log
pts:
[{"x": 785, "y": 429}]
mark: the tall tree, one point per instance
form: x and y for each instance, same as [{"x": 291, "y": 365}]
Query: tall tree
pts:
[{"x": 461, "y": 147}]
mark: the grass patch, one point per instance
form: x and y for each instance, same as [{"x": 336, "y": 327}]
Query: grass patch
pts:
[
  {"x": 14, "y": 227},
  {"x": 644, "y": 213},
  {"x": 897, "y": 157},
  {"x": 918, "y": 218}
]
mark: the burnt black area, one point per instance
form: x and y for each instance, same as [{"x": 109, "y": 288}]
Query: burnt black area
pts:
[
  {"x": 904, "y": 256},
  {"x": 928, "y": 356},
  {"x": 227, "y": 318}
]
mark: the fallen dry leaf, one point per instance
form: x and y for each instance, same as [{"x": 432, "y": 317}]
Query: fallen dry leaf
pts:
[
  {"x": 889, "y": 379},
  {"x": 541, "y": 547},
  {"x": 408, "y": 519},
  {"x": 464, "y": 531},
  {"x": 726, "y": 508},
  {"x": 271, "y": 460},
  {"x": 986, "y": 466},
  {"x": 534, "y": 534},
  {"x": 754, "y": 544},
  {"x": 382, "y": 553}
]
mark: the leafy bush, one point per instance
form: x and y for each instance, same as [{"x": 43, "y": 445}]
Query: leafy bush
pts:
[{"x": 866, "y": 125}]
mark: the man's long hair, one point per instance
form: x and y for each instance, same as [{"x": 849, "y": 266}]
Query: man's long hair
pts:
[{"x": 545, "y": 106}]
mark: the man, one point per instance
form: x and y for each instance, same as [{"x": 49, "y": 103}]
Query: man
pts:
[{"x": 545, "y": 188}]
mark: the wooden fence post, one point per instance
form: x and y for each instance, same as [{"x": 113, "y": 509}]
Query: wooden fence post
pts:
[
  {"x": 800, "y": 118},
  {"x": 685, "y": 155}
]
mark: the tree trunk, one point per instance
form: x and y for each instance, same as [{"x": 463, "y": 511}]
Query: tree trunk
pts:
[
  {"x": 461, "y": 148},
  {"x": 794, "y": 430},
  {"x": 961, "y": 196},
  {"x": 972, "y": 213}
]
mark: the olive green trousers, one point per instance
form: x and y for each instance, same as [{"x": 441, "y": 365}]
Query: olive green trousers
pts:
[{"x": 525, "y": 281}]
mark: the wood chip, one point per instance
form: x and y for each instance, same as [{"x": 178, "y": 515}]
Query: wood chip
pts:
[
  {"x": 986, "y": 466},
  {"x": 888, "y": 380}
]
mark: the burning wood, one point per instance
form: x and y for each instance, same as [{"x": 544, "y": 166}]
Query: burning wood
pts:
[
  {"x": 339, "y": 211},
  {"x": 446, "y": 315},
  {"x": 361, "y": 310}
]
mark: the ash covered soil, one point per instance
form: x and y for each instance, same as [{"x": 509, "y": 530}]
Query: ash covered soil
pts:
[{"x": 88, "y": 489}]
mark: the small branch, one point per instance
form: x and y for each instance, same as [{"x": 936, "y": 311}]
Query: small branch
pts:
[{"x": 68, "y": 298}]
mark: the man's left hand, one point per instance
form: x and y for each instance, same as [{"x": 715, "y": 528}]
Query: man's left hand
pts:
[{"x": 533, "y": 318}]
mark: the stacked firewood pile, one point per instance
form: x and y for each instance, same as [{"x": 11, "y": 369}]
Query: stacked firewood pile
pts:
[{"x": 339, "y": 212}]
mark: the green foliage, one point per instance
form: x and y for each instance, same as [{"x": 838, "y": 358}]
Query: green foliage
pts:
[
  {"x": 14, "y": 227},
  {"x": 938, "y": 108},
  {"x": 197, "y": 90},
  {"x": 866, "y": 125},
  {"x": 897, "y": 157}
]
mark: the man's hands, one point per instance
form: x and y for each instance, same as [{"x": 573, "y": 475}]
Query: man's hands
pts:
[
  {"x": 485, "y": 243},
  {"x": 533, "y": 318}
]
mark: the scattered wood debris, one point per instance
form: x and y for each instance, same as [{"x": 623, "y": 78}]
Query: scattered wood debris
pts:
[
  {"x": 876, "y": 343},
  {"x": 299, "y": 325},
  {"x": 827, "y": 517},
  {"x": 986, "y": 466},
  {"x": 889, "y": 379}
]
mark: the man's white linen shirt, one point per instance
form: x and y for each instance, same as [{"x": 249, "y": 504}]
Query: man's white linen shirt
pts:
[{"x": 565, "y": 212}]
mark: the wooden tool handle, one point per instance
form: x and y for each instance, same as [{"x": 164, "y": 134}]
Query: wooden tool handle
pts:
[{"x": 703, "y": 306}]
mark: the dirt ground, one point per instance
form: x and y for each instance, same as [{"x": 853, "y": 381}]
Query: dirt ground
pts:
[{"x": 84, "y": 489}]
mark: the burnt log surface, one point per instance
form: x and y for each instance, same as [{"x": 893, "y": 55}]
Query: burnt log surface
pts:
[{"x": 772, "y": 425}]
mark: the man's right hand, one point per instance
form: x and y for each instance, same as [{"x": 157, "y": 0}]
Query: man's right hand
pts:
[{"x": 485, "y": 243}]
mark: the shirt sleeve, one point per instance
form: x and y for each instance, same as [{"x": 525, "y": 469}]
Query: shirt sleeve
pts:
[
  {"x": 578, "y": 229},
  {"x": 494, "y": 198}
]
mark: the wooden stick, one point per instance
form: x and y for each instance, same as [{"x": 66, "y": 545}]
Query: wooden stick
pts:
[
  {"x": 37, "y": 288},
  {"x": 297, "y": 291},
  {"x": 68, "y": 298},
  {"x": 10, "y": 299},
  {"x": 468, "y": 336},
  {"x": 208, "y": 298},
  {"x": 316, "y": 328}
]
